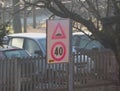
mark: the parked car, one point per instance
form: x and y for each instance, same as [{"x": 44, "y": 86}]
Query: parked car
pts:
[
  {"x": 34, "y": 43},
  {"x": 8, "y": 53}
]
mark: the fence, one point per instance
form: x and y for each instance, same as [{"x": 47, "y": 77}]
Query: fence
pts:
[{"x": 93, "y": 71}]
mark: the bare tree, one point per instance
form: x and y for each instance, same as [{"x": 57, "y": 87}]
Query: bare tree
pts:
[{"x": 3, "y": 32}]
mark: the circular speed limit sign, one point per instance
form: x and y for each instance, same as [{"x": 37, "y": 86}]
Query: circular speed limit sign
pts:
[{"x": 58, "y": 51}]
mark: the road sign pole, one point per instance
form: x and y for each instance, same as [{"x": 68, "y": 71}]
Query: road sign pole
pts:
[
  {"x": 71, "y": 75},
  {"x": 71, "y": 60}
]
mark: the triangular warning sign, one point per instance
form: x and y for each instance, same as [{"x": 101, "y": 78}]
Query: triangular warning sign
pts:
[{"x": 58, "y": 32}]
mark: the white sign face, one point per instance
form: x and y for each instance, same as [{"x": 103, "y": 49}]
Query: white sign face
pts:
[{"x": 58, "y": 41}]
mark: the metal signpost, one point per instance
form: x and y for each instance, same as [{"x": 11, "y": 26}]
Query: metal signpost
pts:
[{"x": 59, "y": 45}]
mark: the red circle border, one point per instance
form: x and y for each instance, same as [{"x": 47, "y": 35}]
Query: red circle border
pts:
[{"x": 52, "y": 54}]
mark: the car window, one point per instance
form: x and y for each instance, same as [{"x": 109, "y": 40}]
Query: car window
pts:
[
  {"x": 93, "y": 44},
  {"x": 31, "y": 46},
  {"x": 42, "y": 41},
  {"x": 17, "y": 42},
  {"x": 16, "y": 53},
  {"x": 80, "y": 40},
  {"x": 75, "y": 41}
]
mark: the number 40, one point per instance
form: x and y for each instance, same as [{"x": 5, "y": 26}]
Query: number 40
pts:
[{"x": 58, "y": 51}]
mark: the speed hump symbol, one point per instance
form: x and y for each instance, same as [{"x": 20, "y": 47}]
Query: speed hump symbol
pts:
[{"x": 58, "y": 51}]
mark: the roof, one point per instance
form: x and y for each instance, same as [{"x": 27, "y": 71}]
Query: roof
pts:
[
  {"x": 29, "y": 35},
  {"x": 77, "y": 33},
  {"x": 80, "y": 33}
]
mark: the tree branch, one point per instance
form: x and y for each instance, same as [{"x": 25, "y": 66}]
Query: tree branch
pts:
[{"x": 93, "y": 10}]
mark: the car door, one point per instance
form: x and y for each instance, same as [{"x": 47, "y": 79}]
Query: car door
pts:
[{"x": 32, "y": 47}]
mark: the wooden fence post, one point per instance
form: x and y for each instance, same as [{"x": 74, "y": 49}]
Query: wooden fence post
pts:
[{"x": 17, "y": 75}]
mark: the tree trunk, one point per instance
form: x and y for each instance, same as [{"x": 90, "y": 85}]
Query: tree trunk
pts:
[
  {"x": 16, "y": 18},
  {"x": 118, "y": 62}
]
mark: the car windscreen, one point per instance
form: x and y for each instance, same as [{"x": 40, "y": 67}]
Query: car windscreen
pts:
[{"x": 16, "y": 53}]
